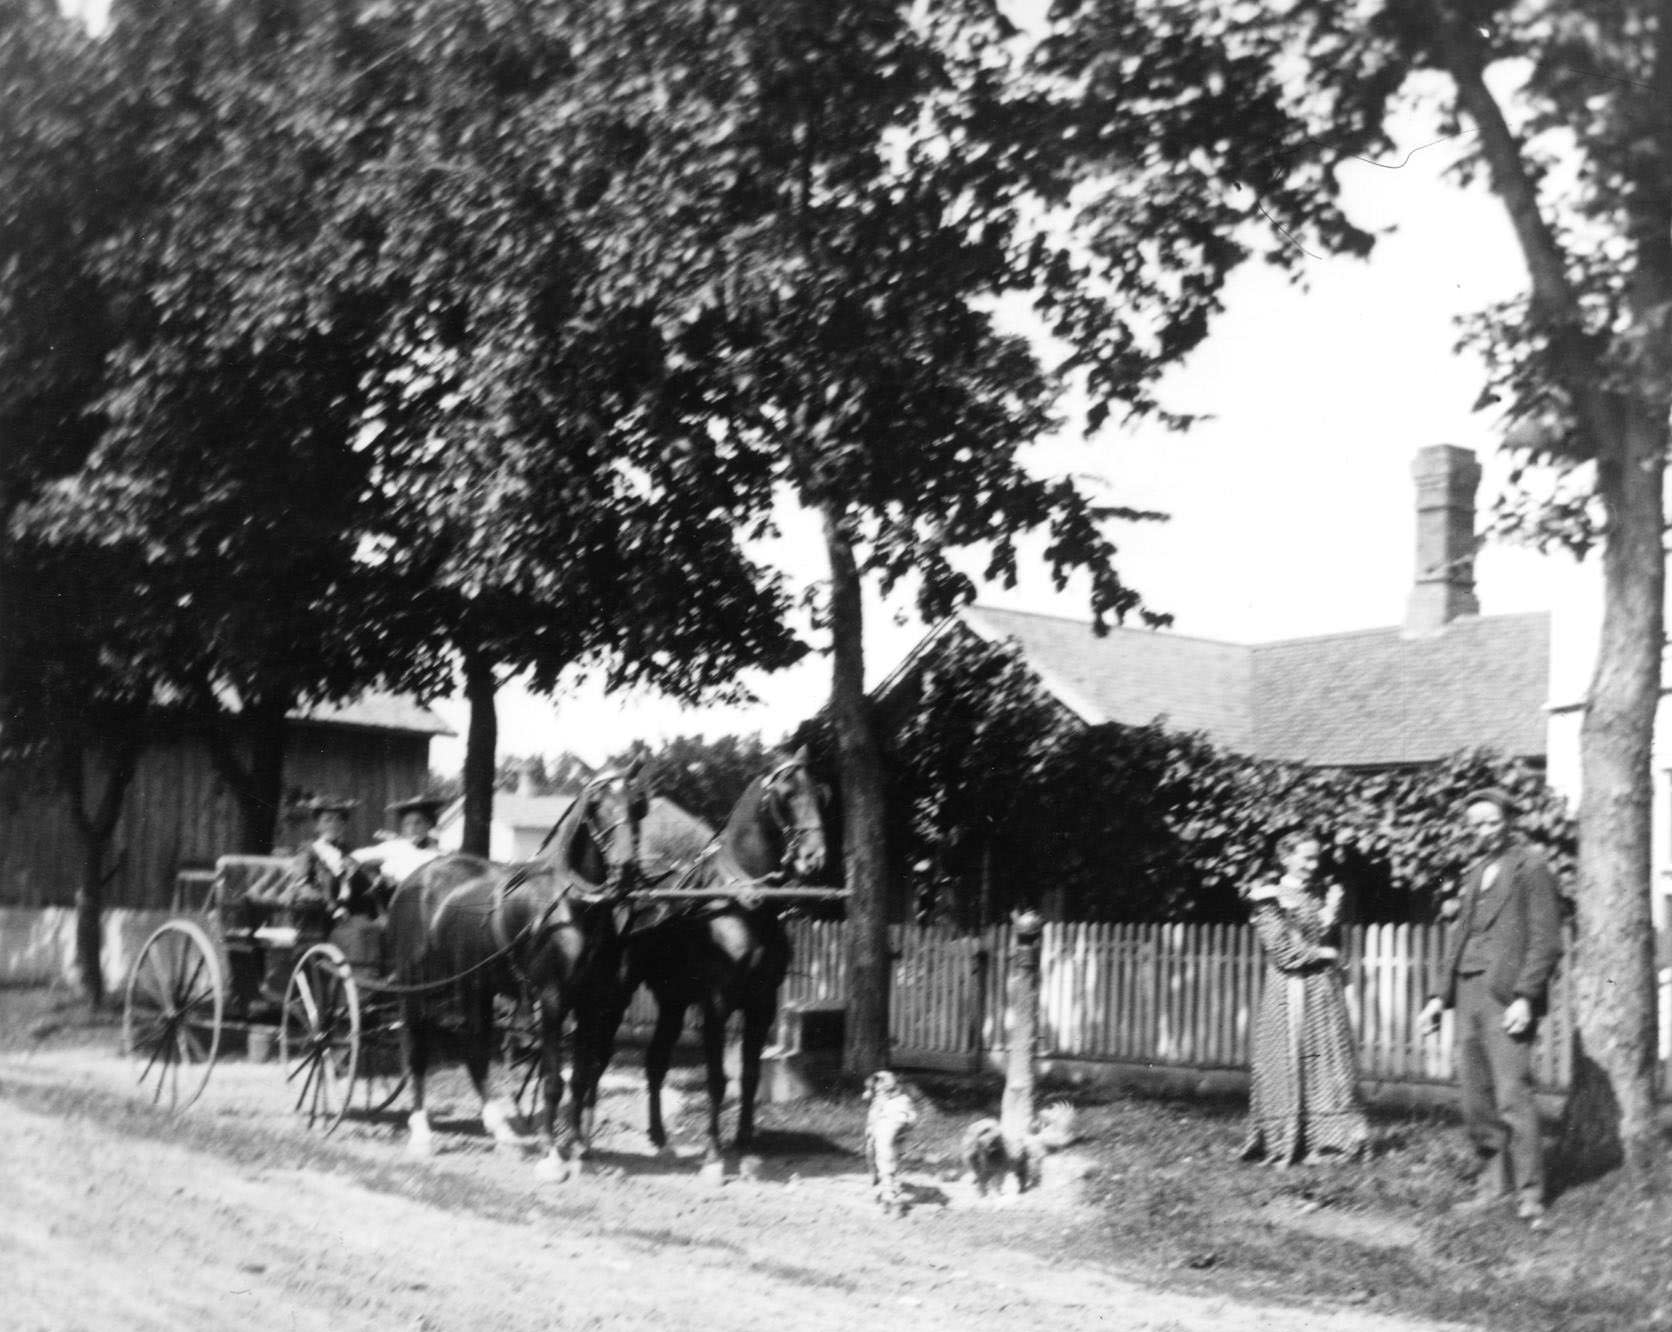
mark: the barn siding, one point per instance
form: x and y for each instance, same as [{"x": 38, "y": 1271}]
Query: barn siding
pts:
[{"x": 178, "y": 813}]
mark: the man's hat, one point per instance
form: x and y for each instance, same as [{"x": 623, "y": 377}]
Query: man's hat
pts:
[
  {"x": 429, "y": 806},
  {"x": 1491, "y": 795},
  {"x": 324, "y": 804}
]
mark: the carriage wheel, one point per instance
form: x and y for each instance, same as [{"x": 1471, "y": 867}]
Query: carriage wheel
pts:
[
  {"x": 319, "y": 1038},
  {"x": 172, "y": 1014}
]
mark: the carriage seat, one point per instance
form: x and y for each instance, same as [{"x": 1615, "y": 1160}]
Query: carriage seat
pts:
[{"x": 247, "y": 893}]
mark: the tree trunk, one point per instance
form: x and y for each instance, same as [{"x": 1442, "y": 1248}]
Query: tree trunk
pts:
[
  {"x": 864, "y": 827},
  {"x": 481, "y": 741},
  {"x": 89, "y": 920},
  {"x": 95, "y": 828},
  {"x": 1610, "y": 1113},
  {"x": 5, "y": 605}
]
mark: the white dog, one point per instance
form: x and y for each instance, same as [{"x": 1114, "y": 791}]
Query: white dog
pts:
[{"x": 893, "y": 1111}]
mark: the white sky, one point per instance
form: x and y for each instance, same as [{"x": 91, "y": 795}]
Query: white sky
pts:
[{"x": 1292, "y": 511}]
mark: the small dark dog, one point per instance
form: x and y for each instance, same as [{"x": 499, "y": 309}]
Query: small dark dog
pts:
[
  {"x": 989, "y": 1160},
  {"x": 893, "y": 1111}
]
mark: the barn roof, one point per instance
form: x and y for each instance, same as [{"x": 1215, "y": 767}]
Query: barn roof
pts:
[
  {"x": 1369, "y": 698},
  {"x": 376, "y": 712}
]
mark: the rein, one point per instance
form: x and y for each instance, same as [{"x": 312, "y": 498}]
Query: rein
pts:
[
  {"x": 717, "y": 861},
  {"x": 502, "y": 893}
]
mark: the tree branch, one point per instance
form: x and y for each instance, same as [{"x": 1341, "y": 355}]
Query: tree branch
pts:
[{"x": 1555, "y": 303}]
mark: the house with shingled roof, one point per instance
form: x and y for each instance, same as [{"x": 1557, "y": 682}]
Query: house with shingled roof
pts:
[{"x": 1447, "y": 679}]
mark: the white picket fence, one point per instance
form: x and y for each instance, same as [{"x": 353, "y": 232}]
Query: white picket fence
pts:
[{"x": 1175, "y": 996}]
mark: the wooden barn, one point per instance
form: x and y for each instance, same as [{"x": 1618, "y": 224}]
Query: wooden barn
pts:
[{"x": 179, "y": 814}]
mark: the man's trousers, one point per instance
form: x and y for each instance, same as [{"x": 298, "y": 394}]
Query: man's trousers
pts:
[{"x": 1495, "y": 1076}]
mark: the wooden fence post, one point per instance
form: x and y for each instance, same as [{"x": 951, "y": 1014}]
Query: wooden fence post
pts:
[
  {"x": 976, "y": 1033},
  {"x": 1016, "y": 1108}
]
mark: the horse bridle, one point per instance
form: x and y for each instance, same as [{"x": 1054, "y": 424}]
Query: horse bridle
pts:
[
  {"x": 603, "y": 836},
  {"x": 794, "y": 831}
]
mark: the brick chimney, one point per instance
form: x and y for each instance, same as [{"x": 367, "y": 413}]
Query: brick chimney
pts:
[{"x": 1446, "y": 478}]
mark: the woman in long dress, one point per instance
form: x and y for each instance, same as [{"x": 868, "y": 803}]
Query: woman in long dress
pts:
[{"x": 1304, "y": 1102}]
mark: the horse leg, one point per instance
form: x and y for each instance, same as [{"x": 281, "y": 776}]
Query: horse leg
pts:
[
  {"x": 415, "y": 1046},
  {"x": 552, "y": 1164},
  {"x": 477, "y": 1004},
  {"x": 757, "y": 1025},
  {"x": 714, "y": 1056},
  {"x": 591, "y": 1053},
  {"x": 670, "y": 1018}
]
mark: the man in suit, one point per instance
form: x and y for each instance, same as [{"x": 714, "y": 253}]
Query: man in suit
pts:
[{"x": 1506, "y": 940}]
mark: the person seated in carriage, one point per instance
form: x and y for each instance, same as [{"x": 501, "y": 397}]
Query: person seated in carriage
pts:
[
  {"x": 396, "y": 855},
  {"x": 324, "y": 892},
  {"x": 324, "y": 875}
]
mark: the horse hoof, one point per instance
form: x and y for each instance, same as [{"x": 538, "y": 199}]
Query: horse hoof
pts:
[
  {"x": 551, "y": 1169},
  {"x": 497, "y": 1119},
  {"x": 749, "y": 1167},
  {"x": 666, "y": 1153},
  {"x": 421, "y": 1143},
  {"x": 713, "y": 1173}
]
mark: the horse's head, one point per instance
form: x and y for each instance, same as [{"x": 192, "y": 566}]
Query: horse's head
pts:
[
  {"x": 607, "y": 819},
  {"x": 793, "y": 801}
]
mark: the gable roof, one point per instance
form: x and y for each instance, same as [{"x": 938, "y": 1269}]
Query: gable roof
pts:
[
  {"x": 1368, "y": 698},
  {"x": 1132, "y": 676}
]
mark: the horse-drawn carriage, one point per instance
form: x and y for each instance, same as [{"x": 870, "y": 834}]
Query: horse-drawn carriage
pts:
[
  {"x": 241, "y": 971},
  {"x": 562, "y": 942}
]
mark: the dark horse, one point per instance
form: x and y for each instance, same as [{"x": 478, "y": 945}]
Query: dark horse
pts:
[
  {"x": 727, "y": 953},
  {"x": 545, "y": 931}
]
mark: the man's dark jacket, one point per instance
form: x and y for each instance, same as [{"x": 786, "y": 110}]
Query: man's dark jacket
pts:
[{"x": 1521, "y": 914}]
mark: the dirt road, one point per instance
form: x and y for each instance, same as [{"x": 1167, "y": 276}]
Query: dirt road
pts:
[{"x": 117, "y": 1217}]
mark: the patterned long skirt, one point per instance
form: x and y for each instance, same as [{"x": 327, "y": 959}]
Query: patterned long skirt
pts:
[{"x": 1304, "y": 1097}]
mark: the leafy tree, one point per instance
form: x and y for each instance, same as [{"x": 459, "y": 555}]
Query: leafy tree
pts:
[
  {"x": 1206, "y": 131},
  {"x": 520, "y": 485},
  {"x": 366, "y": 415},
  {"x": 817, "y": 203},
  {"x": 77, "y": 703}
]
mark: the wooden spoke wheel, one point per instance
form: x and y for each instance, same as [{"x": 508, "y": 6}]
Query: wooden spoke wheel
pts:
[
  {"x": 319, "y": 1035},
  {"x": 172, "y": 1014}
]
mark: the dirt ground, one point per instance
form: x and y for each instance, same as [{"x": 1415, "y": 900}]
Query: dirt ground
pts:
[{"x": 120, "y": 1216}]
